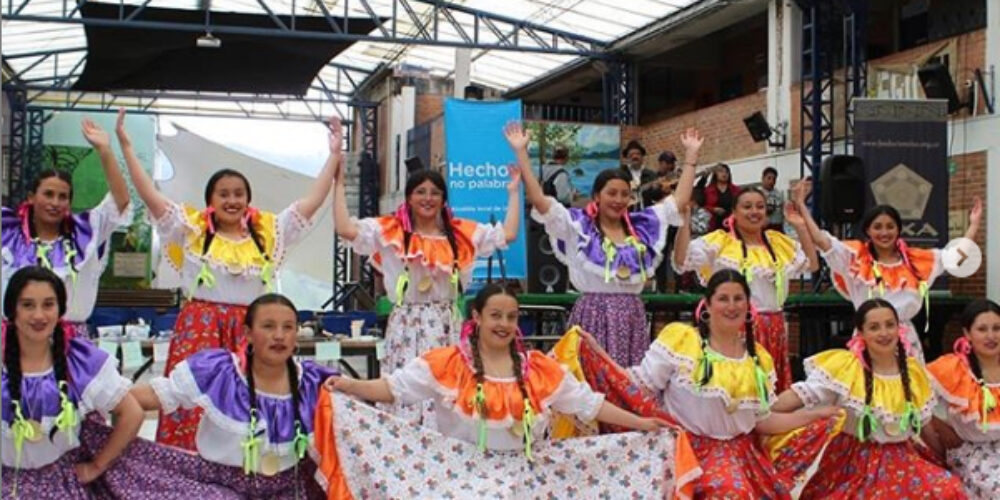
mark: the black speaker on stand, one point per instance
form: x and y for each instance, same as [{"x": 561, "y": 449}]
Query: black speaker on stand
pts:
[
  {"x": 843, "y": 188},
  {"x": 545, "y": 273}
]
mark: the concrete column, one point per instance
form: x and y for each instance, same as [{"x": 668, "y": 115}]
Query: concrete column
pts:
[{"x": 463, "y": 71}]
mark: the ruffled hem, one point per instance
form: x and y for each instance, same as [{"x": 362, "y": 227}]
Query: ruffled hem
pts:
[
  {"x": 186, "y": 384},
  {"x": 857, "y": 405},
  {"x": 106, "y": 390}
]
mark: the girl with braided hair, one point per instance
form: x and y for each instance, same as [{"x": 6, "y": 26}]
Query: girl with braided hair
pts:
[
  {"x": 258, "y": 419},
  {"x": 767, "y": 259},
  {"x": 426, "y": 256},
  {"x": 609, "y": 252},
  {"x": 43, "y": 231},
  {"x": 968, "y": 385},
  {"x": 718, "y": 383},
  {"x": 888, "y": 399},
  {"x": 494, "y": 402},
  {"x": 49, "y": 384},
  {"x": 881, "y": 264},
  {"x": 222, "y": 257}
]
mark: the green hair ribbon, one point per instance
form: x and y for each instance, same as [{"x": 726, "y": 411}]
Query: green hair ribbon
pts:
[
  {"x": 610, "y": 252},
  {"x": 989, "y": 404},
  {"x": 527, "y": 422},
  {"x": 251, "y": 446},
  {"x": 479, "y": 405},
  {"x": 301, "y": 441}
]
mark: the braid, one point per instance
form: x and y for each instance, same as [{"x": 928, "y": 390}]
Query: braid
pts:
[
  {"x": 904, "y": 371},
  {"x": 208, "y": 237},
  {"x": 450, "y": 234},
  {"x": 250, "y": 383},
  {"x": 977, "y": 371},
  {"x": 868, "y": 389},
  {"x": 293, "y": 386},
  {"x": 59, "y": 364},
  {"x": 749, "y": 338},
  {"x": 477, "y": 359},
  {"x": 258, "y": 241},
  {"x": 515, "y": 357},
  {"x": 12, "y": 362},
  {"x": 703, "y": 332}
]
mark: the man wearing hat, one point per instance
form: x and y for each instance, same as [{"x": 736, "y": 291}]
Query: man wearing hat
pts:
[{"x": 645, "y": 183}]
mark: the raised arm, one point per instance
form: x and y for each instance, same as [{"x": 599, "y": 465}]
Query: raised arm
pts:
[
  {"x": 795, "y": 218},
  {"x": 342, "y": 223},
  {"x": 154, "y": 200},
  {"x": 692, "y": 141},
  {"x": 310, "y": 203},
  {"x": 101, "y": 142},
  {"x": 975, "y": 217},
  {"x": 369, "y": 390},
  {"x": 513, "y": 218},
  {"x": 683, "y": 238},
  {"x": 128, "y": 418},
  {"x": 518, "y": 138},
  {"x": 800, "y": 190}
]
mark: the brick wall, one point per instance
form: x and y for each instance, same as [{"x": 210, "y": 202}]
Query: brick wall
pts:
[
  {"x": 967, "y": 183},
  {"x": 726, "y": 137},
  {"x": 429, "y": 106}
]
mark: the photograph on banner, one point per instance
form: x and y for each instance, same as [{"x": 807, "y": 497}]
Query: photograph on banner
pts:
[
  {"x": 568, "y": 156},
  {"x": 477, "y": 173},
  {"x": 66, "y": 149}
]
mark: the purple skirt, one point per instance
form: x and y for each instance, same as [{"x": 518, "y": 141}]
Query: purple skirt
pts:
[
  {"x": 147, "y": 470},
  {"x": 617, "y": 321}
]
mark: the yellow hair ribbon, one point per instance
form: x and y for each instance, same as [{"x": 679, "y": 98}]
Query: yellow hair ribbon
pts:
[{"x": 527, "y": 422}]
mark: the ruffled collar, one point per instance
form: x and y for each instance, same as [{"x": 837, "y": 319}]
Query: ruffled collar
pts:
[
  {"x": 758, "y": 263},
  {"x": 894, "y": 277},
  {"x": 840, "y": 371},
  {"x": 734, "y": 381},
  {"x": 633, "y": 260},
  {"x": 455, "y": 380},
  {"x": 430, "y": 252},
  {"x": 28, "y": 251},
  {"x": 236, "y": 257},
  {"x": 955, "y": 383}
]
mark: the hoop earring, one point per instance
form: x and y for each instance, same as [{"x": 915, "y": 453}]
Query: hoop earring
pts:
[{"x": 704, "y": 316}]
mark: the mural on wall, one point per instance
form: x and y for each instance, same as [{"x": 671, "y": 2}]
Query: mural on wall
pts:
[
  {"x": 66, "y": 149},
  {"x": 591, "y": 148}
]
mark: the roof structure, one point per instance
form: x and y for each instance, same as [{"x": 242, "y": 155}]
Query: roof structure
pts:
[{"x": 44, "y": 45}]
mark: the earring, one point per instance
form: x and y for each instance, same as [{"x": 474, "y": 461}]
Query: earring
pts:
[{"x": 704, "y": 316}]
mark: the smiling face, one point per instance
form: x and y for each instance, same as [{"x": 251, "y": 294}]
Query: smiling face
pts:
[
  {"x": 613, "y": 199},
  {"x": 497, "y": 322},
  {"x": 50, "y": 200},
  {"x": 883, "y": 232},
  {"x": 880, "y": 331},
  {"x": 984, "y": 335},
  {"x": 230, "y": 198},
  {"x": 728, "y": 306},
  {"x": 750, "y": 212},
  {"x": 37, "y": 313},
  {"x": 273, "y": 333},
  {"x": 426, "y": 200}
]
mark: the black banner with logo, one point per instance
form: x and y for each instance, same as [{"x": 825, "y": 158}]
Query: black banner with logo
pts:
[{"x": 904, "y": 145}]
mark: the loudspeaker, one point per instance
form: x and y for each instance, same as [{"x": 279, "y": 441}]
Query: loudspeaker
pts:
[
  {"x": 545, "y": 273},
  {"x": 758, "y": 127},
  {"x": 937, "y": 84},
  {"x": 842, "y": 180},
  {"x": 474, "y": 93}
]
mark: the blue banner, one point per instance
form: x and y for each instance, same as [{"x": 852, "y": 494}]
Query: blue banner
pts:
[{"x": 477, "y": 173}]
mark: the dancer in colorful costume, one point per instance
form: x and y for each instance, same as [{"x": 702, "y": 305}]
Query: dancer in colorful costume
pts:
[
  {"x": 888, "y": 399},
  {"x": 44, "y": 232},
  {"x": 258, "y": 420},
  {"x": 719, "y": 385},
  {"x": 426, "y": 256},
  {"x": 967, "y": 383},
  {"x": 494, "y": 403},
  {"x": 883, "y": 265},
  {"x": 50, "y": 383},
  {"x": 225, "y": 256},
  {"x": 610, "y": 252},
  {"x": 767, "y": 259}
]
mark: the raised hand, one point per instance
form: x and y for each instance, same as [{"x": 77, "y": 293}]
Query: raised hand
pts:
[
  {"x": 95, "y": 135},
  {"x": 692, "y": 140},
  {"x": 793, "y": 216},
  {"x": 336, "y": 137},
  {"x": 517, "y": 136},
  {"x": 976, "y": 214},
  {"x": 801, "y": 190},
  {"x": 123, "y": 137}
]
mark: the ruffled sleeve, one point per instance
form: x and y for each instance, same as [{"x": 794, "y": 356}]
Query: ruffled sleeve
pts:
[
  {"x": 172, "y": 224},
  {"x": 702, "y": 251},
  {"x": 292, "y": 227},
  {"x": 95, "y": 379},
  {"x": 558, "y": 221},
  {"x": 839, "y": 255},
  {"x": 414, "y": 382},
  {"x": 488, "y": 238},
  {"x": 657, "y": 367},
  {"x": 954, "y": 381},
  {"x": 386, "y": 235},
  {"x": 367, "y": 240},
  {"x": 667, "y": 213},
  {"x": 106, "y": 218},
  {"x": 209, "y": 380},
  {"x": 570, "y": 397}
]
